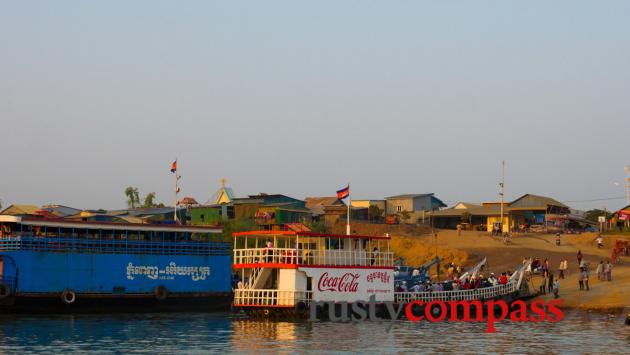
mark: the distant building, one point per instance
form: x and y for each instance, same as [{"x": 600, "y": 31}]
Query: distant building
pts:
[
  {"x": 621, "y": 218},
  {"x": 205, "y": 215},
  {"x": 361, "y": 209},
  {"x": 532, "y": 213},
  {"x": 268, "y": 211},
  {"x": 367, "y": 203},
  {"x": 20, "y": 210},
  {"x": 246, "y": 208},
  {"x": 416, "y": 204},
  {"x": 188, "y": 202},
  {"x": 224, "y": 196},
  {"x": 60, "y": 210},
  {"x": 529, "y": 210},
  {"x": 274, "y": 216},
  {"x": 469, "y": 216},
  {"x": 317, "y": 205}
]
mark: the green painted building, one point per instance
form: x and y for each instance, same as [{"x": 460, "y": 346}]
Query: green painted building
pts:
[{"x": 205, "y": 215}]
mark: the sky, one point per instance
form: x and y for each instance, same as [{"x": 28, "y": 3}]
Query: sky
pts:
[{"x": 300, "y": 98}]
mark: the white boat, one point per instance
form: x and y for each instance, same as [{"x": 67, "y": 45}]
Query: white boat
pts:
[{"x": 284, "y": 271}]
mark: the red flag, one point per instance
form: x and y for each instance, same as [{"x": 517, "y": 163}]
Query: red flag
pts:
[
  {"x": 343, "y": 193},
  {"x": 174, "y": 166}
]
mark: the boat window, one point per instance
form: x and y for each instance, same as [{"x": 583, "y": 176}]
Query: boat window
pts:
[
  {"x": 9, "y": 229},
  {"x": 107, "y": 234},
  {"x": 51, "y": 232},
  {"x": 66, "y": 233}
]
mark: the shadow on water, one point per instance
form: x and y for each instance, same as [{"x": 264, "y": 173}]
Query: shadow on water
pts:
[{"x": 579, "y": 332}]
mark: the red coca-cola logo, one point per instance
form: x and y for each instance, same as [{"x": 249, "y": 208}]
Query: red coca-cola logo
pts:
[{"x": 346, "y": 283}]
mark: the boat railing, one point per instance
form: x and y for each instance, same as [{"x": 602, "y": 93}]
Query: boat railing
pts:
[
  {"x": 326, "y": 257},
  {"x": 126, "y": 246},
  {"x": 458, "y": 295},
  {"x": 269, "y": 297}
]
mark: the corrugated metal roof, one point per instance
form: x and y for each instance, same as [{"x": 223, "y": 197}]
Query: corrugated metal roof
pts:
[
  {"x": 108, "y": 225},
  {"x": 20, "y": 209},
  {"x": 312, "y": 202},
  {"x": 408, "y": 196},
  {"x": 465, "y": 205},
  {"x": 535, "y": 201},
  {"x": 475, "y": 211},
  {"x": 60, "y": 210}
]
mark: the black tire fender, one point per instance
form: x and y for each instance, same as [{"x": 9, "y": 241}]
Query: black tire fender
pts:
[
  {"x": 5, "y": 291},
  {"x": 161, "y": 293},
  {"x": 68, "y": 296}
]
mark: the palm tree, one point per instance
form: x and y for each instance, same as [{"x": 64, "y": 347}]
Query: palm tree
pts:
[
  {"x": 148, "y": 200},
  {"x": 375, "y": 213},
  {"x": 405, "y": 215},
  {"x": 133, "y": 196}
]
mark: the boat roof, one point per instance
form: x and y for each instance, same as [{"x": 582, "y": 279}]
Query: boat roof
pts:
[
  {"x": 305, "y": 234},
  {"x": 54, "y": 222}
]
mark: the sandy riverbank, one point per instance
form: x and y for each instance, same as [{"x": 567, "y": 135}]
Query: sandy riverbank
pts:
[{"x": 471, "y": 246}]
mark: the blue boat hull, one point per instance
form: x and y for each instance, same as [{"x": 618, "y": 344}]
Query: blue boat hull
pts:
[{"x": 124, "y": 281}]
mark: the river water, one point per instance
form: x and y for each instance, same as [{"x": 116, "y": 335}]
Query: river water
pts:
[{"x": 578, "y": 332}]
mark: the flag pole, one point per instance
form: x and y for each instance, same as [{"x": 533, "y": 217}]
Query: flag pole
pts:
[
  {"x": 176, "y": 188},
  {"x": 349, "y": 203}
]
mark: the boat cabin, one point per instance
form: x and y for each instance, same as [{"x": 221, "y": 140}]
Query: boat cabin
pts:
[{"x": 287, "y": 268}]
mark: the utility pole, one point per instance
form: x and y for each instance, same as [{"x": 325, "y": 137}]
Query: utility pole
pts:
[
  {"x": 501, "y": 191},
  {"x": 349, "y": 211},
  {"x": 605, "y": 224},
  {"x": 627, "y": 169}
]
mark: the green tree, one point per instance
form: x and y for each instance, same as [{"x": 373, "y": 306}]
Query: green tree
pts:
[
  {"x": 133, "y": 196},
  {"x": 375, "y": 213},
  {"x": 593, "y": 215},
  {"x": 316, "y": 226},
  {"x": 236, "y": 225},
  {"x": 148, "y": 200},
  {"x": 404, "y": 215}
]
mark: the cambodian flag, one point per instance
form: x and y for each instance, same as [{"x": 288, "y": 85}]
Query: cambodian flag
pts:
[
  {"x": 343, "y": 193},
  {"x": 174, "y": 166}
]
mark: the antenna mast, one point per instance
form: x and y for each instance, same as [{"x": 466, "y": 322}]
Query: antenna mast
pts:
[{"x": 502, "y": 190}]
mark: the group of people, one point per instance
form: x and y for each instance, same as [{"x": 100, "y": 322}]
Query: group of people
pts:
[
  {"x": 453, "y": 270},
  {"x": 604, "y": 271},
  {"x": 455, "y": 283},
  {"x": 548, "y": 284}
]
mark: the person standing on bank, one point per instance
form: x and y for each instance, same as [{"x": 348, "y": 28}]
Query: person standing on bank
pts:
[
  {"x": 543, "y": 284},
  {"x": 550, "y": 282},
  {"x": 600, "y": 271},
  {"x": 586, "y": 277},
  {"x": 561, "y": 270},
  {"x": 556, "y": 288},
  {"x": 608, "y": 271},
  {"x": 558, "y": 239}
]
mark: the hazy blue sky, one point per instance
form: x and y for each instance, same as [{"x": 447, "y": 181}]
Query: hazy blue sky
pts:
[{"x": 300, "y": 97}]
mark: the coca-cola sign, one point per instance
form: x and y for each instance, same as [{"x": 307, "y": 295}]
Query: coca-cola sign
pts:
[{"x": 348, "y": 282}]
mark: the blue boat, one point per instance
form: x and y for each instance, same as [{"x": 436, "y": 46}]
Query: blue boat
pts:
[{"x": 52, "y": 265}]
